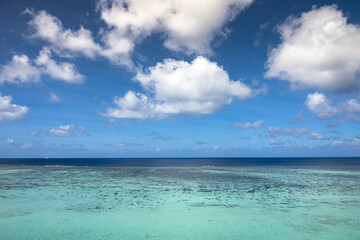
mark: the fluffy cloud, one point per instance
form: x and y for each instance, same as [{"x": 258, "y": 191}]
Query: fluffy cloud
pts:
[
  {"x": 254, "y": 125},
  {"x": 62, "y": 71},
  {"x": 188, "y": 25},
  {"x": 178, "y": 87},
  {"x": 10, "y": 111},
  {"x": 318, "y": 49},
  {"x": 63, "y": 41},
  {"x": 21, "y": 69},
  {"x": 63, "y": 131},
  {"x": 319, "y": 104}
]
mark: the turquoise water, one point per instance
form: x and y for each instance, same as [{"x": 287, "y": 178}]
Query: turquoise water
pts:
[{"x": 179, "y": 203}]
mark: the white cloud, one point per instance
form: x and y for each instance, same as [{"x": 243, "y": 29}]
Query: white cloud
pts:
[
  {"x": 61, "y": 71},
  {"x": 189, "y": 26},
  {"x": 63, "y": 41},
  {"x": 10, "y": 111},
  {"x": 10, "y": 140},
  {"x": 318, "y": 49},
  {"x": 21, "y": 69},
  {"x": 62, "y": 131},
  {"x": 294, "y": 132},
  {"x": 178, "y": 87},
  {"x": 316, "y": 136},
  {"x": 254, "y": 125},
  {"x": 319, "y": 104},
  {"x": 54, "y": 97}
]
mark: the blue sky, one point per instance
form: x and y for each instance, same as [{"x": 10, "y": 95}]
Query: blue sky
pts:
[{"x": 236, "y": 78}]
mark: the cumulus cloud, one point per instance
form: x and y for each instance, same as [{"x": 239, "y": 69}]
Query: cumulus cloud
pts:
[
  {"x": 62, "y": 71},
  {"x": 63, "y": 131},
  {"x": 21, "y": 69},
  {"x": 189, "y": 26},
  {"x": 318, "y": 49},
  {"x": 63, "y": 41},
  {"x": 10, "y": 141},
  {"x": 319, "y": 104},
  {"x": 10, "y": 111},
  {"x": 179, "y": 87},
  {"x": 254, "y": 125}
]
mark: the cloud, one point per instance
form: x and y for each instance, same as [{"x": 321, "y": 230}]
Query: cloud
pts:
[
  {"x": 294, "y": 132},
  {"x": 10, "y": 111},
  {"x": 157, "y": 136},
  {"x": 318, "y": 49},
  {"x": 23, "y": 70},
  {"x": 61, "y": 71},
  {"x": 319, "y": 104},
  {"x": 19, "y": 70},
  {"x": 299, "y": 118},
  {"x": 188, "y": 26},
  {"x": 10, "y": 141},
  {"x": 116, "y": 145},
  {"x": 316, "y": 136},
  {"x": 35, "y": 133},
  {"x": 277, "y": 143},
  {"x": 347, "y": 144},
  {"x": 254, "y": 125},
  {"x": 63, "y": 131},
  {"x": 179, "y": 87},
  {"x": 259, "y": 34},
  {"x": 54, "y": 97},
  {"x": 26, "y": 145},
  {"x": 62, "y": 41}
]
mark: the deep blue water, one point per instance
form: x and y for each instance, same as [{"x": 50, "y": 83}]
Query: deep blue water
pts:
[{"x": 341, "y": 162}]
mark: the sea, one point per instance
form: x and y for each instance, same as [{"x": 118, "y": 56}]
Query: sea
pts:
[{"x": 180, "y": 198}]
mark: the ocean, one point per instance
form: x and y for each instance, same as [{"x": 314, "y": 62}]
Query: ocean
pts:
[{"x": 200, "y": 198}]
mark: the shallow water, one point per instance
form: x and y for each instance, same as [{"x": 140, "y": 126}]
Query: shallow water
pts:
[{"x": 179, "y": 203}]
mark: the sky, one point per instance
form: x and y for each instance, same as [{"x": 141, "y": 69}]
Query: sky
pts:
[{"x": 180, "y": 78}]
